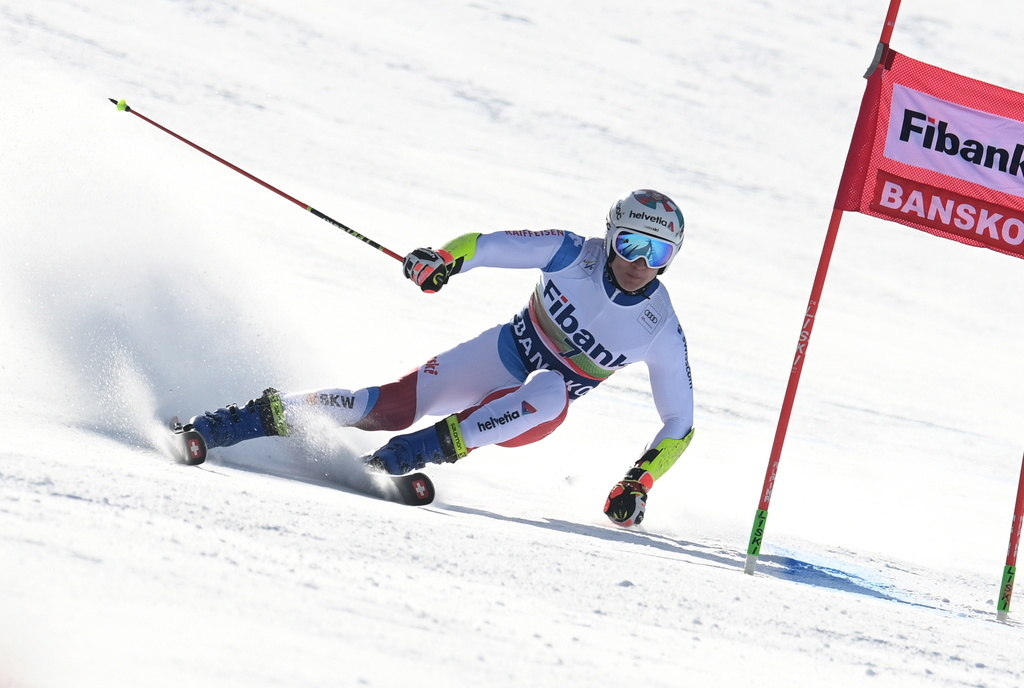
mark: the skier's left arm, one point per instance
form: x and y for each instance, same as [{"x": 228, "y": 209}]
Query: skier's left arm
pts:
[{"x": 672, "y": 389}]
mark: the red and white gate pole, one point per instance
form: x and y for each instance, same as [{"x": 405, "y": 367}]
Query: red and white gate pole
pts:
[{"x": 1010, "y": 570}]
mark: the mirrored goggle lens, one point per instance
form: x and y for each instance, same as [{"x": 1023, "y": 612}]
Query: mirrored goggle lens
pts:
[{"x": 632, "y": 246}]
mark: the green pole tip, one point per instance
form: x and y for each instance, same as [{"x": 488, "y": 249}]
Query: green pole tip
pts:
[{"x": 121, "y": 105}]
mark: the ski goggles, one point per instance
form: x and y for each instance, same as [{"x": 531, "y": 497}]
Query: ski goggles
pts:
[{"x": 632, "y": 246}]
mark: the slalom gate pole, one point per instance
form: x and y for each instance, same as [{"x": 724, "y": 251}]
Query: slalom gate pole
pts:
[
  {"x": 123, "y": 106},
  {"x": 761, "y": 515},
  {"x": 1010, "y": 570},
  {"x": 890, "y": 22}
]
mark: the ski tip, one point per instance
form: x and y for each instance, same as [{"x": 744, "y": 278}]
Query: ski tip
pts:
[{"x": 121, "y": 105}]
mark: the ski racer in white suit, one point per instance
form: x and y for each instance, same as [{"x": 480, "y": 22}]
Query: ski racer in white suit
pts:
[{"x": 597, "y": 308}]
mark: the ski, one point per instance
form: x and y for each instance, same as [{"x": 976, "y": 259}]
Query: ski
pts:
[
  {"x": 187, "y": 445},
  {"x": 412, "y": 489}
]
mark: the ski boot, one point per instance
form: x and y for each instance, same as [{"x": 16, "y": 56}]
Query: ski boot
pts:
[
  {"x": 441, "y": 442},
  {"x": 262, "y": 417}
]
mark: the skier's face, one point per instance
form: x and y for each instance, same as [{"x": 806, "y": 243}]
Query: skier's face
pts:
[{"x": 633, "y": 276}]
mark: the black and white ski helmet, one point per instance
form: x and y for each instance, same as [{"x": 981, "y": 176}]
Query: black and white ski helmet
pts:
[{"x": 647, "y": 212}]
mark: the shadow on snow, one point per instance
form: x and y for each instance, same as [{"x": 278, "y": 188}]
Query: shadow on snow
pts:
[{"x": 774, "y": 566}]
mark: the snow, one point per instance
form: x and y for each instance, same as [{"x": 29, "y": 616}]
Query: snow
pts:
[{"x": 140, "y": 279}]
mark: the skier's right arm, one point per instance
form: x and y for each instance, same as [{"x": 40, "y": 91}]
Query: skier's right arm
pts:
[{"x": 430, "y": 269}]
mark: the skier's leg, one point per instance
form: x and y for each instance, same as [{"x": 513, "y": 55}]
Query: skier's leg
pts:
[
  {"x": 517, "y": 416},
  {"x": 348, "y": 407},
  {"x": 446, "y": 383},
  {"x": 512, "y": 417},
  {"x": 450, "y": 381}
]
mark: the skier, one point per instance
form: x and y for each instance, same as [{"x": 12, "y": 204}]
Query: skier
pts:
[{"x": 597, "y": 308}]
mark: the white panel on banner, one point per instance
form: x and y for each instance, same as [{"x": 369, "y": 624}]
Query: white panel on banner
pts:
[{"x": 971, "y": 145}]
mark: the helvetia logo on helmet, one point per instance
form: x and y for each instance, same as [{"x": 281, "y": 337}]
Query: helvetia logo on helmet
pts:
[{"x": 653, "y": 218}]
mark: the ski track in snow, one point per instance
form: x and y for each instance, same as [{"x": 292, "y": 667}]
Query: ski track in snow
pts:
[{"x": 140, "y": 280}]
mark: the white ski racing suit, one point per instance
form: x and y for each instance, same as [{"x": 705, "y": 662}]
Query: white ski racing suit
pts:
[{"x": 512, "y": 384}]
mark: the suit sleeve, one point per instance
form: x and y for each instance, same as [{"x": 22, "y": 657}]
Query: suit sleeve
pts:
[
  {"x": 549, "y": 250},
  {"x": 671, "y": 383}
]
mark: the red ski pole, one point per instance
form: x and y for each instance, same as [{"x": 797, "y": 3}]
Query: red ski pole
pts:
[{"x": 123, "y": 106}]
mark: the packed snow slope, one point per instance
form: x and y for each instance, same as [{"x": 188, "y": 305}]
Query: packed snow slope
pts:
[{"x": 139, "y": 279}]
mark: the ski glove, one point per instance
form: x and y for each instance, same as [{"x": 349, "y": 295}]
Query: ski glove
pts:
[
  {"x": 428, "y": 268},
  {"x": 627, "y": 501}
]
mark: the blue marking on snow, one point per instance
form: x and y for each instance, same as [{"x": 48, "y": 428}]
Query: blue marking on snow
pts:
[
  {"x": 798, "y": 571},
  {"x": 833, "y": 578}
]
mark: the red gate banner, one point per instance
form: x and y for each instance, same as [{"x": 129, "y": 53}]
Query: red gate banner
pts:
[{"x": 939, "y": 152}]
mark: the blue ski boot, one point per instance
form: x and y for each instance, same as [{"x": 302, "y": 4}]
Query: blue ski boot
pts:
[
  {"x": 441, "y": 442},
  {"x": 262, "y": 417}
]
